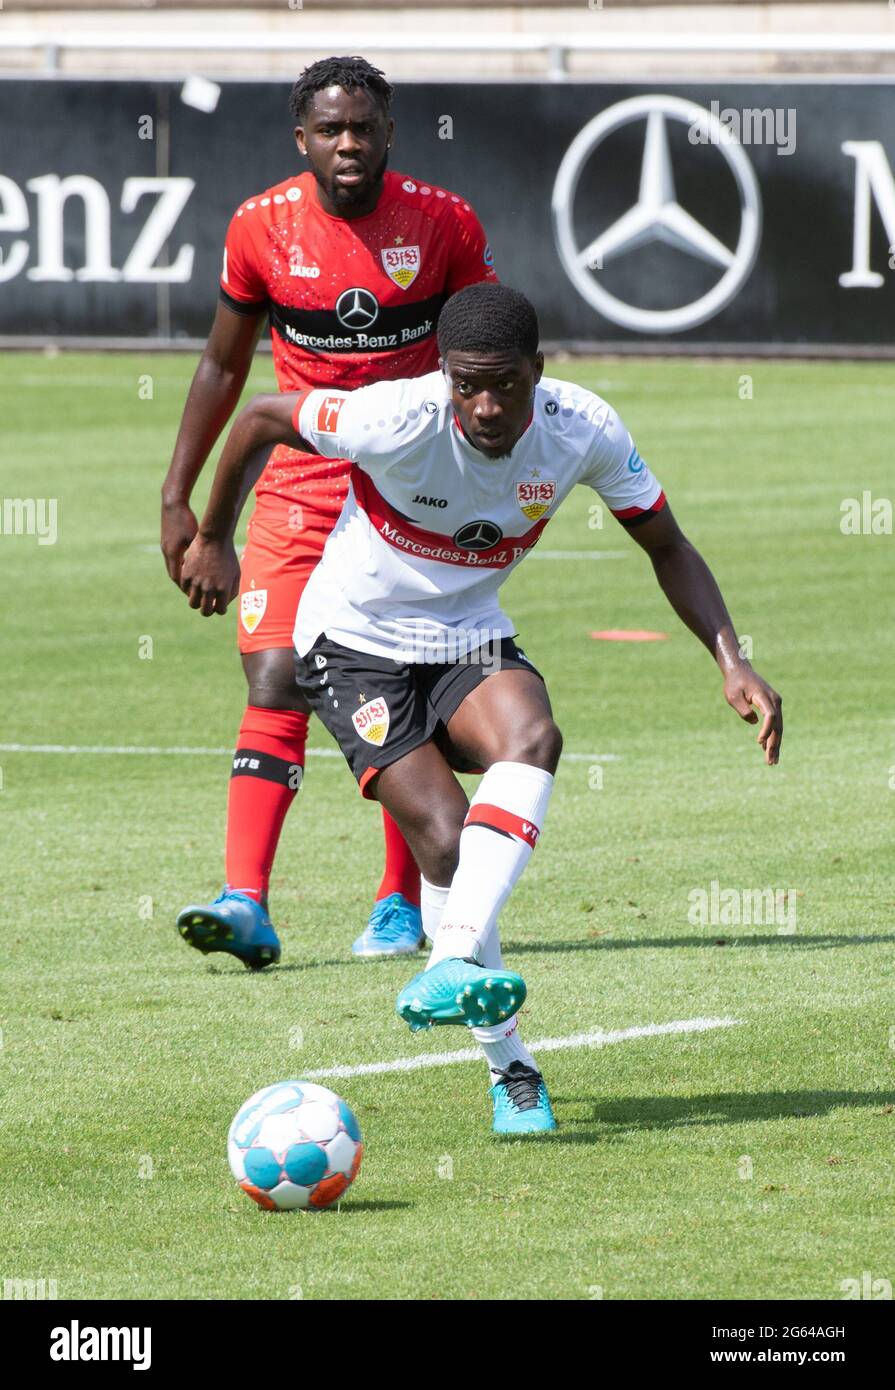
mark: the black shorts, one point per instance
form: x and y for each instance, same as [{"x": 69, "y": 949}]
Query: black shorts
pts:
[{"x": 379, "y": 710}]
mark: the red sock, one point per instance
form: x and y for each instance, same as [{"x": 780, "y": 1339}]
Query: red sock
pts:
[
  {"x": 401, "y": 873},
  {"x": 267, "y": 772}
]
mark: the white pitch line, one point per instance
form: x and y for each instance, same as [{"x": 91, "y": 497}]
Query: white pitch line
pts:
[
  {"x": 596, "y": 1038},
  {"x": 135, "y": 749},
  {"x": 138, "y": 750}
]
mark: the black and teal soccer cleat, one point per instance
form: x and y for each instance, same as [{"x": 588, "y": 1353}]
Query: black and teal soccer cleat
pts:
[
  {"x": 521, "y": 1103},
  {"x": 234, "y": 923},
  {"x": 460, "y": 991}
]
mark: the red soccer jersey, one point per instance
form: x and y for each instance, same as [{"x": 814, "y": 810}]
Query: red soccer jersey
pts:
[{"x": 351, "y": 300}]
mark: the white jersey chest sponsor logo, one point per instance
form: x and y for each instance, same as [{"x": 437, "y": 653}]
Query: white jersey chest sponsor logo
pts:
[{"x": 371, "y": 721}]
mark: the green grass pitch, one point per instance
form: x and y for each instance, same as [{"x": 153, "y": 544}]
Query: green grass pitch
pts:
[{"x": 751, "y": 1161}]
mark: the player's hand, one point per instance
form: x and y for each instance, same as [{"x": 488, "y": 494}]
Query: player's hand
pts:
[
  {"x": 746, "y": 692},
  {"x": 179, "y": 527},
  {"x": 209, "y": 575}
]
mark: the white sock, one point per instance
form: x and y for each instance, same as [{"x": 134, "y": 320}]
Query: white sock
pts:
[
  {"x": 503, "y": 1045},
  {"x": 432, "y": 901},
  {"x": 499, "y": 833},
  {"x": 490, "y": 954}
]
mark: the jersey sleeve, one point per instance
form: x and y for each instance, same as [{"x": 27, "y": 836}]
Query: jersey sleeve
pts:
[
  {"x": 375, "y": 426},
  {"x": 471, "y": 258},
  {"x": 614, "y": 468},
  {"x": 242, "y": 286}
]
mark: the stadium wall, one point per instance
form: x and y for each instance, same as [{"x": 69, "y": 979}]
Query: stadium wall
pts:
[
  {"x": 447, "y": 40},
  {"x": 758, "y": 216}
]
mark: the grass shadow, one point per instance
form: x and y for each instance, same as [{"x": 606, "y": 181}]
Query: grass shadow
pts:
[
  {"x": 682, "y": 1112},
  {"x": 717, "y": 939},
  {"x": 348, "y": 1206}
]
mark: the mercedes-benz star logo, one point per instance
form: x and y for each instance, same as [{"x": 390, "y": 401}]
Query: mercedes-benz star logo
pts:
[
  {"x": 657, "y": 215},
  {"x": 478, "y": 535},
  {"x": 357, "y": 308}
]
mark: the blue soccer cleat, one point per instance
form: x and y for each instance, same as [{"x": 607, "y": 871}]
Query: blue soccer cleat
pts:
[
  {"x": 234, "y": 923},
  {"x": 521, "y": 1103},
  {"x": 460, "y": 991},
  {"x": 395, "y": 928}
]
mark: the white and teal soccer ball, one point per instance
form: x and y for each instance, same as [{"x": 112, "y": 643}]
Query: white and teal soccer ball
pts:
[{"x": 293, "y": 1145}]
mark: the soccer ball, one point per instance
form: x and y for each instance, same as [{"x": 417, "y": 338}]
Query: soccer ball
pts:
[{"x": 294, "y": 1144}]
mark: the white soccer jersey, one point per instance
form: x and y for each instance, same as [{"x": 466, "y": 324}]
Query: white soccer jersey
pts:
[{"x": 431, "y": 527}]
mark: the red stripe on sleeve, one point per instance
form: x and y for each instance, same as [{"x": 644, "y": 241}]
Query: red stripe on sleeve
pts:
[
  {"x": 627, "y": 512},
  {"x": 302, "y": 397},
  {"x": 495, "y": 818}
]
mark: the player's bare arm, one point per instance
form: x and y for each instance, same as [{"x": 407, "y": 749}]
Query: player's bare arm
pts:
[
  {"x": 693, "y": 593},
  {"x": 214, "y": 393},
  {"x": 209, "y": 574}
]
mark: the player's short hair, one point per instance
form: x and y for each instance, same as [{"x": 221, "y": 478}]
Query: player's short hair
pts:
[
  {"x": 488, "y": 318},
  {"x": 351, "y": 74}
]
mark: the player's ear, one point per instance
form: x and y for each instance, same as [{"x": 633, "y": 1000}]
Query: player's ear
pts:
[
  {"x": 538, "y": 367},
  {"x": 390, "y": 133},
  {"x": 300, "y": 140}
]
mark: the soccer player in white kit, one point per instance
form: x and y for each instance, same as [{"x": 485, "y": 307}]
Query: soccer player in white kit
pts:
[{"x": 402, "y": 648}]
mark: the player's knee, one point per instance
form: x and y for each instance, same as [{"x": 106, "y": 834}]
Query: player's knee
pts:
[
  {"x": 277, "y": 695},
  {"x": 539, "y": 744},
  {"x": 271, "y": 678},
  {"x": 440, "y": 849}
]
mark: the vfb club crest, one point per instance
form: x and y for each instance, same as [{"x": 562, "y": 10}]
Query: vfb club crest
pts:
[
  {"x": 401, "y": 264},
  {"x": 252, "y": 607},
  {"x": 371, "y": 721},
  {"x": 535, "y": 498}
]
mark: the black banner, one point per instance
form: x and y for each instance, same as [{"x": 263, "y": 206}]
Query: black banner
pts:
[
  {"x": 112, "y": 1339},
  {"x": 701, "y": 214}
]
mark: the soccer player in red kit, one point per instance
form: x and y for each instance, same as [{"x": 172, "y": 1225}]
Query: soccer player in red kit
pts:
[{"x": 351, "y": 262}]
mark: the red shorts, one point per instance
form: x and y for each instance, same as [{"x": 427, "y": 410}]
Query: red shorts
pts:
[{"x": 280, "y": 555}]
